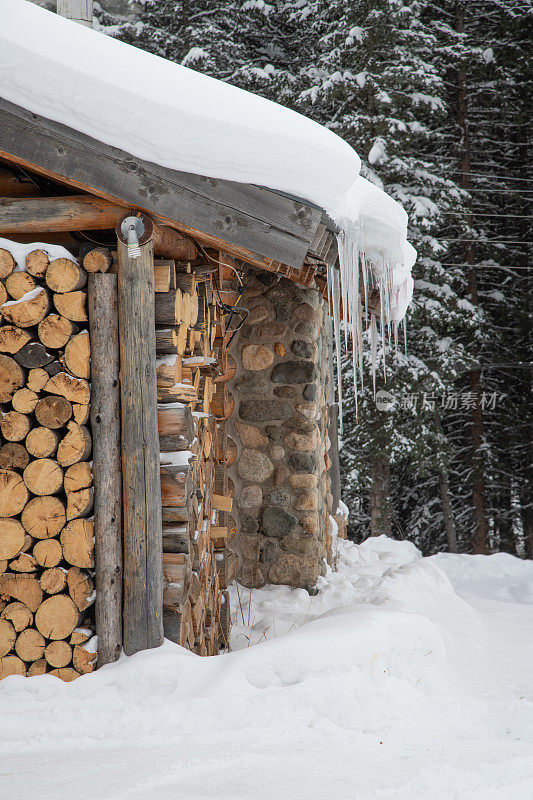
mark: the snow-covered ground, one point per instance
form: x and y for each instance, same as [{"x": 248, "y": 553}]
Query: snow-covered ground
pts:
[{"x": 403, "y": 679}]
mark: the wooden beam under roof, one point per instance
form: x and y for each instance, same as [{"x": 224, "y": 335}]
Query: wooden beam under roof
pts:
[
  {"x": 251, "y": 223},
  {"x": 74, "y": 213}
]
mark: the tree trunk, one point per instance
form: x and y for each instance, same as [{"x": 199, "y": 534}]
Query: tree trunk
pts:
[
  {"x": 380, "y": 509},
  {"x": 479, "y": 538},
  {"x": 480, "y": 534},
  {"x": 504, "y": 518},
  {"x": 447, "y": 513}
]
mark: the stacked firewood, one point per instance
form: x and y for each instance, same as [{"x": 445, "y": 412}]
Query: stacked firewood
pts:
[
  {"x": 193, "y": 368},
  {"x": 46, "y": 497},
  {"x": 46, "y": 530}
]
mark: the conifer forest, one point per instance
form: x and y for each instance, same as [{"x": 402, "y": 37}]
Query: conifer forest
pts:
[{"x": 435, "y": 97}]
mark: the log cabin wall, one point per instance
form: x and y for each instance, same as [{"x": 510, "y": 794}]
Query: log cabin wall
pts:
[{"x": 282, "y": 487}]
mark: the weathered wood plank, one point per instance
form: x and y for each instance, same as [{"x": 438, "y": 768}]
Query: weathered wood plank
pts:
[
  {"x": 77, "y": 10},
  {"x": 105, "y": 420},
  {"x": 75, "y": 213},
  {"x": 262, "y": 222},
  {"x": 143, "y": 567}
]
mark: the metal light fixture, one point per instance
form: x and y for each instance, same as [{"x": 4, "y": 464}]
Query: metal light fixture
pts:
[{"x": 132, "y": 229}]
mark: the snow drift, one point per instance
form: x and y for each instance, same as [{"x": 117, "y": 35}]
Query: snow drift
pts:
[{"x": 388, "y": 685}]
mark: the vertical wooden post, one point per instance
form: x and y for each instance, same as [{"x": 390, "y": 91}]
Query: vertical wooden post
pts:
[
  {"x": 78, "y": 10},
  {"x": 105, "y": 422},
  {"x": 143, "y": 559}
]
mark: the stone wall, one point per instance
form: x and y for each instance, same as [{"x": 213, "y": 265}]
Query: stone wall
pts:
[{"x": 282, "y": 498}]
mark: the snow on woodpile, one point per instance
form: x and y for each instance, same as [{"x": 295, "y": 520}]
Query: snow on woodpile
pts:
[
  {"x": 113, "y": 92},
  {"x": 21, "y": 251}
]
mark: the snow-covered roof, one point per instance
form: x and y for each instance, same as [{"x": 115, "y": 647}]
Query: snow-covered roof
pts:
[{"x": 114, "y": 92}]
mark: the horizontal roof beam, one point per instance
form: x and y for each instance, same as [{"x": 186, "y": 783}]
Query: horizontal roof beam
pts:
[{"x": 77, "y": 213}]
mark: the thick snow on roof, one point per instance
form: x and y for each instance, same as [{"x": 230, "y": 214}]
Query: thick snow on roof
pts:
[{"x": 177, "y": 118}]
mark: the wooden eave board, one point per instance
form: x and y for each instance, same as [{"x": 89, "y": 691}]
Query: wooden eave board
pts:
[{"x": 267, "y": 224}]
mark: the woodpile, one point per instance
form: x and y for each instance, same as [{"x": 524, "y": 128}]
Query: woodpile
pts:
[
  {"x": 46, "y": 497},
  {"x": 193, "y": 367},
  {"x": 46, "y": 531}
]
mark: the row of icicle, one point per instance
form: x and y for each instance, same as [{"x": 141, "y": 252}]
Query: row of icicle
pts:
[{"x": 344, "y": 291}]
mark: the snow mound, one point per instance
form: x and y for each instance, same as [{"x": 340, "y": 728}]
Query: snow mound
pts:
[
  {"x": 387, "y": 685},
  {"x": 497, "y": 577},
  {"x": 114, "y": 92},
  {"x": 380, "y": 571}
]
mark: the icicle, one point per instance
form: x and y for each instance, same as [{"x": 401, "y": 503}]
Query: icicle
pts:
[
  {"x": 364, "y": 272},
  {"x": 343, "y": 285},
  {"x": 373, "y": 350},
  {"x": 334, "y": 294},
  {"x": 350, "y": 256},
  {"x": 355, "y": 332},
  {"x": 360, "y": 339},
  {"x": 345, "y": 290},
  {"x": 382, "y": 330}
]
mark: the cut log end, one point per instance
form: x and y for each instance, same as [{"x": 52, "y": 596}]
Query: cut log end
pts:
[
  {"x": 72, "y": 305},
  {"x": 19, "y": 283},
  {"x": 43, "y": 477},
  {"x": 14, "y": 456},
  {"x": 12, "y": 536},
  {"x": 64, "y": 275},
  {"x": 77, "y": 542},
  {"x": 18, "y": 614},
  {"x": 48, "y": 552},
  {"x": 56, "y": 617},
  {"x": 30, "y": 645},
  {"x": 98, "y": 260},
  {"x": 66, "y": 674},
  {"x": 8, "y": 637},
  {"x": 55, "y": 331},
  {"x": 58, "y": 653},
  {"x": 44, "y": 517},
  {"x": 78, "y": 355},
  {"x": 13, "y": 493},
  {"x": 11, "y": 665},
  {"x": 53, "y": 412},
  {"x": 75, "y": 446},
  {"x": 29, "y": 312},
  {"x": 37, "y": 263},
  {"x": 7, "y": 263},
  {"x": 11, "y": 377}
]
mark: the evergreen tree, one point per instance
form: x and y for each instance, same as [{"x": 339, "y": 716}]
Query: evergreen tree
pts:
[
  {"x": 484, "y": 45},
  {"x": 374, "y": 83},
  {"x": 221, "y": 38},
  {"x": 434, "y": 98}
]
